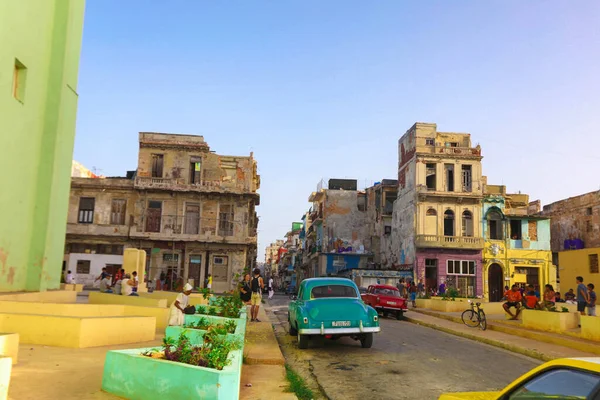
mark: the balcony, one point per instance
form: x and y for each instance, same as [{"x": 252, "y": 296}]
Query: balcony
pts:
[
  {"x": 454, "y": 242},
  {"x": 192, "y": 229},
  {"x": 445, "y": 151},
  {"x": 181, "y": 185},
  {"x": 424, "y": 192},
  {"x": 98, "y": 230}
]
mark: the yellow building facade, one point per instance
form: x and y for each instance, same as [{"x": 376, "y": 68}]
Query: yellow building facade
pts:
[
  {"x": 574, "y": 263},
  {"x": 517, "y": 243}
]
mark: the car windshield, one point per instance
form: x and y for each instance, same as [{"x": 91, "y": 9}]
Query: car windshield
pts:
[
  {"x": 329, "y": 291},
  {"x": 387, "y": 292}
]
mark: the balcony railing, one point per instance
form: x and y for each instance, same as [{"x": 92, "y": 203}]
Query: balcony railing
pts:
[
  {"x": 460, "y": 242},
  {"x": 454, "y": 151},
  {"x": 181, "y": 184},
  {"x": 97, "y": 229}
]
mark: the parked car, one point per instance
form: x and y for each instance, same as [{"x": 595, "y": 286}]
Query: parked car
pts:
[
  {"x": 567, "y": 378},
  {"x": 362, "y": 290},
  {"x": 331, "y": 308},
  {"x": 386, "y": 300}
]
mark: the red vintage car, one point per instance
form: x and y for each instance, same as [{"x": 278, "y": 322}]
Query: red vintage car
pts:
[{"x": 386, "y": 300}]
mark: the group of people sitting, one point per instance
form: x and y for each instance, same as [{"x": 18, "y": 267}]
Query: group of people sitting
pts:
[{"x": 122, "y": 283}]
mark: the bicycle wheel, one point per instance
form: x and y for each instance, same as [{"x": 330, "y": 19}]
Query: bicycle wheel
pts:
[
  {"x": 482, "y": 320},
  {"x": 470, "y": 318}
]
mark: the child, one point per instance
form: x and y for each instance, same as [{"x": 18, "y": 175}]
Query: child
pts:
[
  {"x": 592, "y": 303},
  {"x": 531, "y": 301}
]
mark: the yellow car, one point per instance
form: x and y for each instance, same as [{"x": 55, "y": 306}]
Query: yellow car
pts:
[{"x": 567, "y": 378}]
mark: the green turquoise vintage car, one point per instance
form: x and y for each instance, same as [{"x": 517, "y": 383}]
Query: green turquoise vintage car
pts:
[{"x": 331, "y": 308}]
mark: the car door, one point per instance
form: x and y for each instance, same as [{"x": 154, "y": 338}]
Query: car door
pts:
[
  {"x": 368, "y": 297},
  {"x": 558, "y": 382},
  {"x": 293, "y": 308}
]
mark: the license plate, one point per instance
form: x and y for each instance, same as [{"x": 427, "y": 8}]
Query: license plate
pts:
[
  {"x": 391, "y": 303},
  {"x": 340, "y": 323}
]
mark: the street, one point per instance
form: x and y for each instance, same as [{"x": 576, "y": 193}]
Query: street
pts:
[{"x": 406, "y": 361}]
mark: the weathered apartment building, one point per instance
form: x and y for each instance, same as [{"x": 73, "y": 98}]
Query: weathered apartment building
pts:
[
  {"x": 192, "y": 210},
  {"x": 435, "y": 226},
  {"x": 575, "y": 228},
  {"x": 271, "y": 252}
]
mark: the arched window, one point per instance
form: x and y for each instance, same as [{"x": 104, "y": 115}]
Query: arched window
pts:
[
  {"x": 431, "y": 213},
  {"x": 431, "y": 222},
  {"x": 449, "y": 223},
  {"x": 467, "y": 224},
  {"x": 495, "y": 225}
]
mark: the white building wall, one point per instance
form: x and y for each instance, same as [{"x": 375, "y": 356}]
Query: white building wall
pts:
[{"x": 97, "y": 262}]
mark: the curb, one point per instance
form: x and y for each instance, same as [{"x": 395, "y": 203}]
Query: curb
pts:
[{"x": 515, "y": 349}]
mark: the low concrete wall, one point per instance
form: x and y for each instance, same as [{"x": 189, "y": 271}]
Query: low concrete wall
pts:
[
  {"x": 550, "y": 321},
  {"x": 195, "y": 298},
  {"x": 133, "y": 376},
  {"x": 51, "y": 296},
  {"x": 160, "y": 313},
  {"x": 110, "y": 298},
  {"x": 9, "y": 346},
  {"x": 5, "y": 371},
  {"x": 590, "y": 328},
  {"x": 59, "y": 309},
  {"x": 78, "y": 332},
  {"x": 71, "y": 286},
  {"x": 448, "y": 306}
]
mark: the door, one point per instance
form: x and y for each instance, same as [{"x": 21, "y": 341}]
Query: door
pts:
[
  {"x": 495, "y": 282},
  {"x": 192, "y": 218},
  {"x": 431, "y": 274},
  {"x": 153, "y": 216},
  {"x": 195, "y": 269}
]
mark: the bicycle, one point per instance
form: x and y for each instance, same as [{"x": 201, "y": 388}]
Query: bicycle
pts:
[{"x": 474, "y": 316}]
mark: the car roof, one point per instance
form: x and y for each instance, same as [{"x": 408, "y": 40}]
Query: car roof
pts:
[
  {"x": 312, "y": 282},
  {"x": 378, "y": 286}
]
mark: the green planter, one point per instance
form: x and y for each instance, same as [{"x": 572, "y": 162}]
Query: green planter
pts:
[
  {"x": 130, "y": 375},
  {"x": 196, "y": 335},
  {"x": 240, "y": 322}
]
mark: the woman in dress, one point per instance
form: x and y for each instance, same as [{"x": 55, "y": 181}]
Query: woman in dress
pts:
[
  {"x": 176, "y": 316},
  {"x": 245, "y": 291}
]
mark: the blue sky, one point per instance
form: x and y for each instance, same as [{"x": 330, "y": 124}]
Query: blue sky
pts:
[{"x": 322, "y": 89}]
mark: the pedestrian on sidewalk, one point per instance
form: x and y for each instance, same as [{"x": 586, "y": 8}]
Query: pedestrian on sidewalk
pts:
[
  {"x": 583, "y": 297},
  {"x": 592, "y": 303},
  {"x": 413, "y": 294},
  {"x": 245, "y": 291},
  {"x": 257, "y": 285},
  {"x": 514, "y": 299},
  {"x": 271, "y": 289},
  {"x": 442, "y": 289}
]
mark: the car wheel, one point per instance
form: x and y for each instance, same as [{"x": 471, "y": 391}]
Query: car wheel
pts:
[
  {"x": 293, "y": 331},
  {"x": 399, "y": 315},
  {"x": 366, "y": 341},
  {"x": 302, "y": 341}
]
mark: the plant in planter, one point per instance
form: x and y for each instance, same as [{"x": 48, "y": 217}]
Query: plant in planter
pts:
[
  {"x": 202, "y": 323},
  {"x": 205, "y": 325},
  {"x": 212, "y": 311},
  {"x": 451, "y": 294},
  {"x": 213, "y": 353},
  {"x": 201, "y": 310}
]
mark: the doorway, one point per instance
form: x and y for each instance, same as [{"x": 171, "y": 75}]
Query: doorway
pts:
[
  {"x": 495, "y": 282},
  {"x": 431, "y": 274},
  {"x": 195, "y": 270}
]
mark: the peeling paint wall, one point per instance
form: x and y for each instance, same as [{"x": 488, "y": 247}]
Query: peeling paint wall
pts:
[
  {"x": 575, "y": 218},
  {"x": 343, "y": 223}
]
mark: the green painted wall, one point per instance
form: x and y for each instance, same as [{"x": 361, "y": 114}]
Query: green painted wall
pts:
[{"x": 37, "y": 136}]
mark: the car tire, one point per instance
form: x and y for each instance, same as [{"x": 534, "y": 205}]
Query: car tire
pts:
[
  {"x": 399, "y": 315},
  {"x": 366, "y": 341},
  {"x": 302, "y": 341},
  {"x": 293, "y": 331}
]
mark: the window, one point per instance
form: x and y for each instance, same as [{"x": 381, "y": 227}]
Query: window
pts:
[
  {"x": 460, "y": 267},
  {"x": 86, "y": 210},
  {"x": 387, "y": 230},
  {"x": 390, "y": 197},
  {"x": 532, "y": 227},
  {"x": 157, "y": 165},
  {"x": 226, "y": 215},
  {"x": 431, "y": 212},
  {"x": 429, "y": 142},
  {"x": 115, "y": 249},
  {"x": 449, "y": 223},
  {"x": 220, "y": 260},
  {"x": 192, "y": 218},
  {"x": 430, "y": 179},
  {"x": 19, "y": 80},
  {"x": 83, "y": 267},
  {"x": 171, "y": 258},
  {"x": 332, "y": 291},
  {"x": 117, "y": 211},
  {"x": 449, "y": 173},
  {"x": 361, "y": 199},
  {"x": 467, "y": 224},
  {"x": 495, "y": 226},
  {"x": 593, "y": 260},
  {"x": 467, "y": 179},
  {"x": 515, "y": 229},
  {"x": 558, "y": 383},
  {"x": 195, "y": 170},
  {"x": 589, "y": 211},
  {"x": 451, "y": 144}
]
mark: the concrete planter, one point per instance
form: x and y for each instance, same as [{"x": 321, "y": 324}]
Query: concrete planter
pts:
[
  {"x": 196, "y": 336},
  {"x": 241, "y": 322},
  {"x": 449, "y": 306},
  {"x": 550, "y": 321},
  {"x": 590, "y": 328},
  {"x": 424, "y": 303},
  {"x": 130, "y": 375},
  {"x": 243, "y": 311}
]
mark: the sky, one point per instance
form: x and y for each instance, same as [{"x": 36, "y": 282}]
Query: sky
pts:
[{"x": 324, "y": 89}]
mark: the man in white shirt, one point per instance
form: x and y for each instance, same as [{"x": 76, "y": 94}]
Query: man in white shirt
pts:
[
  {"x": 105, "y": 285},
  {"x": 271, "y": 288},
  {"x": 70, "y": 279}
]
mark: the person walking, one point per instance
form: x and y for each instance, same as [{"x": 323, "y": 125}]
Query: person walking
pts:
[
  {"x": 592, "y": 303},
  {"x": 583, "y": 297},
  {"x": 70, "y": 278},
  {"x": 256, "y": 286},
  {"x": 413, "y": 294},
  {"x": 176, "y": 313},
  {"x": 270, "y": 286},
  {"x": 209, "y": 281}
]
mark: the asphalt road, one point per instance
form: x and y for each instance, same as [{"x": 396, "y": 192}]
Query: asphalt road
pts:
[{"x": 407, "y": 361}]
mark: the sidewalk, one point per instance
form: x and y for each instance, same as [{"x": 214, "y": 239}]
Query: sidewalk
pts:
[
  {"x": 263, "y": 367},
  {"x": 531, "y": 347}
]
